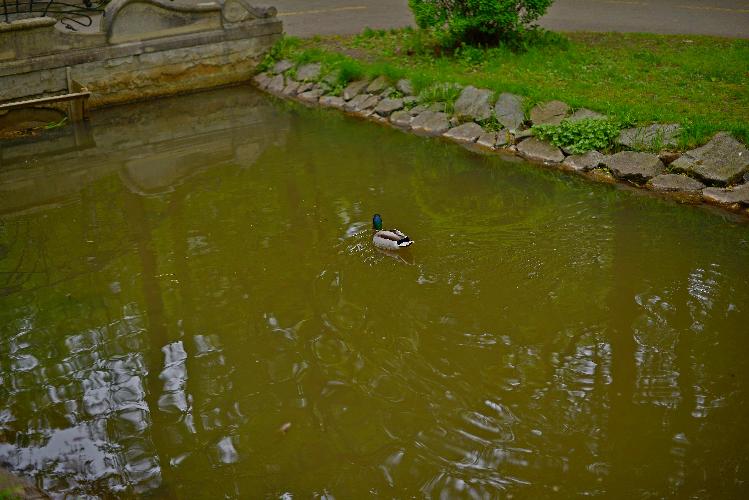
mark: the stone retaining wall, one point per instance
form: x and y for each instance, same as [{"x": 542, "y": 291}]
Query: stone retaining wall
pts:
[
  {"x": 144, "y": 48},
  {"x": 716, "y": 173}
]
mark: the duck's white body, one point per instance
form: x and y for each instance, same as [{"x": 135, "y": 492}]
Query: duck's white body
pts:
[{"x": 391, "y": 240}]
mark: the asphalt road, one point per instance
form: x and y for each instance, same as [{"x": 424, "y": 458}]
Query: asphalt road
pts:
[{"x": 728, "y": 18}]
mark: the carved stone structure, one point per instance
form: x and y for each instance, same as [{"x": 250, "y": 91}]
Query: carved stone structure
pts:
[{"x": 144, "y": 48}]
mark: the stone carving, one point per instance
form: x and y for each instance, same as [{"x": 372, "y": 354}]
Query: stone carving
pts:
[
  {"x": 135, "y": 20},
  {"x": 237, "y": 11}
]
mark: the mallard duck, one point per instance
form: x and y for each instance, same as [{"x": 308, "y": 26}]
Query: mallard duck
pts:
[{"x": 388, "y": 240}]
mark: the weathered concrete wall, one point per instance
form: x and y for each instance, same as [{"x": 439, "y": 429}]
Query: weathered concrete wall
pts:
[{"x": 144, "y": 48}]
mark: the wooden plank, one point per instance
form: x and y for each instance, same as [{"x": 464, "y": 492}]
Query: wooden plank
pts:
[{"x": 45, "y": 100}]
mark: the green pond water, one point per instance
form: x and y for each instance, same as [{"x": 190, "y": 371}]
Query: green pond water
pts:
[{"x": 191, "y": 307}]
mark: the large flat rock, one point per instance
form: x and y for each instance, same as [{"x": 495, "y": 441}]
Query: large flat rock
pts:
[
  {"x": 431, "y": 123},
  {"x": 308, "y": 72},
  {"x": 675, "y": 183},
  {"x": 404, "y": 87},
  {"x": 388, "y": 105},
  {"x": 282, "y": 66},
  {"x": 654, "y": 136},
  {"x": 378, "y": 85},
  {"x": 729, "y": 196},
  {"x": 332, "y": 101},
  {"x": 467, "y": 132},
  {"x": 361, "y": 102},
  {"x": 262, "y": 80},
  {"x": 401, "y": 119},
  {"x": 474, "y": 104},
  {"x": 584, "y": 162},
  {"x": 277, "y": 84},
  {"x": 635, "y": 167},
  {"x": 536, "y": 149},
  {"x": 723, "y": 160},
  {"x": 291, "y": 88},
  {"x": 549, "y": 113},
  {"x": 585, "y": 114},
  {"x": 509, "y": 110},
  {"x": 353, "y": 89},
  {"x": 311, "y": 95}
]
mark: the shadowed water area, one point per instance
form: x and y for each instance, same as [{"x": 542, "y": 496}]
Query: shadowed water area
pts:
[{"x": 191, "y": 307}]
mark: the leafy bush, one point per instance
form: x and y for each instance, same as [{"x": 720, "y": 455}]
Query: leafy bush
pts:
[
  {"x": 581, "y": 136},
  {"x": 478, "y": 22}
]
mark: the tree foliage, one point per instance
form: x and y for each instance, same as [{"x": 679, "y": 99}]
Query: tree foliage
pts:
[{"x": 485, "y": 22}]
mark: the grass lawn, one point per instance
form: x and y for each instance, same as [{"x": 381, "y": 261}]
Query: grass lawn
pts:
[{"x": 700, "y": 82}]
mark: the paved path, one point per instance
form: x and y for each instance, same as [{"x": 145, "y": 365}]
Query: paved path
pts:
[{"x": 704, "y": 17}]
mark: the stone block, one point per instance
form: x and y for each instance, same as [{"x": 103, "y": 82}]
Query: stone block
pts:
[
  {"x": 549, "y": 113},
  {"x": 651, "y": 137},
  {"x": 509, "y": 110},
  {"x": 388, "y": 105},
  {"x": 430, "y": 123},
  {"x": 584, "y": 162},
  {"x": 127, "y": 21},
  {"x": 332, "y": 101},
  {"x": 722, "y": 161},
  {"x": 467, "y": 132},
  {"x": 727, "y": 196},
  {"x": 635, "y": 167},
  {"x": 675, "y": 183},
  {"x": 404, "y": 86},
  {"x": 474, "y": 104},
  {"x": 536, "y": 149},
  {"x": 354, "y": 88},
  {"x": 401, "y": 119},
  {"x": 282, "y": 66},
  {"x": 308, "y": 72},
  {"x": 378, "y": 85}
]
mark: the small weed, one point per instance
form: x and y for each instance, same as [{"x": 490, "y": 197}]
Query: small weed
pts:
[
  {"x": 54, "y": 125},
  {"x": 391, "y": 72},
  {"x": 282, "y": 49},
  {"x": 471, "y": 56},
  {"x": 336, "y": 91},
  {"x": 444, "y": 92},
  {"x": 395, "y": 94},
  {"x": 491, "y": 124}
]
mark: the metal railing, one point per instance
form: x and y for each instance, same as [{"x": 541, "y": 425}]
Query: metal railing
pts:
[{"x": 71, "y": 13}]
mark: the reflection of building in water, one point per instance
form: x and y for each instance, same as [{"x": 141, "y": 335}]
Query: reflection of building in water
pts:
[
  {"x": 152, "y": 145},
  {"x": 100, "y": 365}
]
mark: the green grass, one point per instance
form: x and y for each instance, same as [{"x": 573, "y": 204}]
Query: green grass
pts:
[{"x": 700, "y": 82}]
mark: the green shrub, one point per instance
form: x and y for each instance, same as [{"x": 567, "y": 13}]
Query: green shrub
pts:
[
  {"x": 581, "y": 136},
  {"x": 478, "y": 22}
]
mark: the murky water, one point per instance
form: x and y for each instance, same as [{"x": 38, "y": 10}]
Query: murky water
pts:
[{"x": 191, "y": 307}]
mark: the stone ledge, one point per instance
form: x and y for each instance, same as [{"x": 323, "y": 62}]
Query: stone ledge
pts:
[{"x": 260, "y": 28}]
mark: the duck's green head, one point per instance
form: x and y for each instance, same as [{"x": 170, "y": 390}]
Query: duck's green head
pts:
[{"x": 377, "y": 222}]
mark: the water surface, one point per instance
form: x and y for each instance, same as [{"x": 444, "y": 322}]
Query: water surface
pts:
[{"x": 190, "y": 307}]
